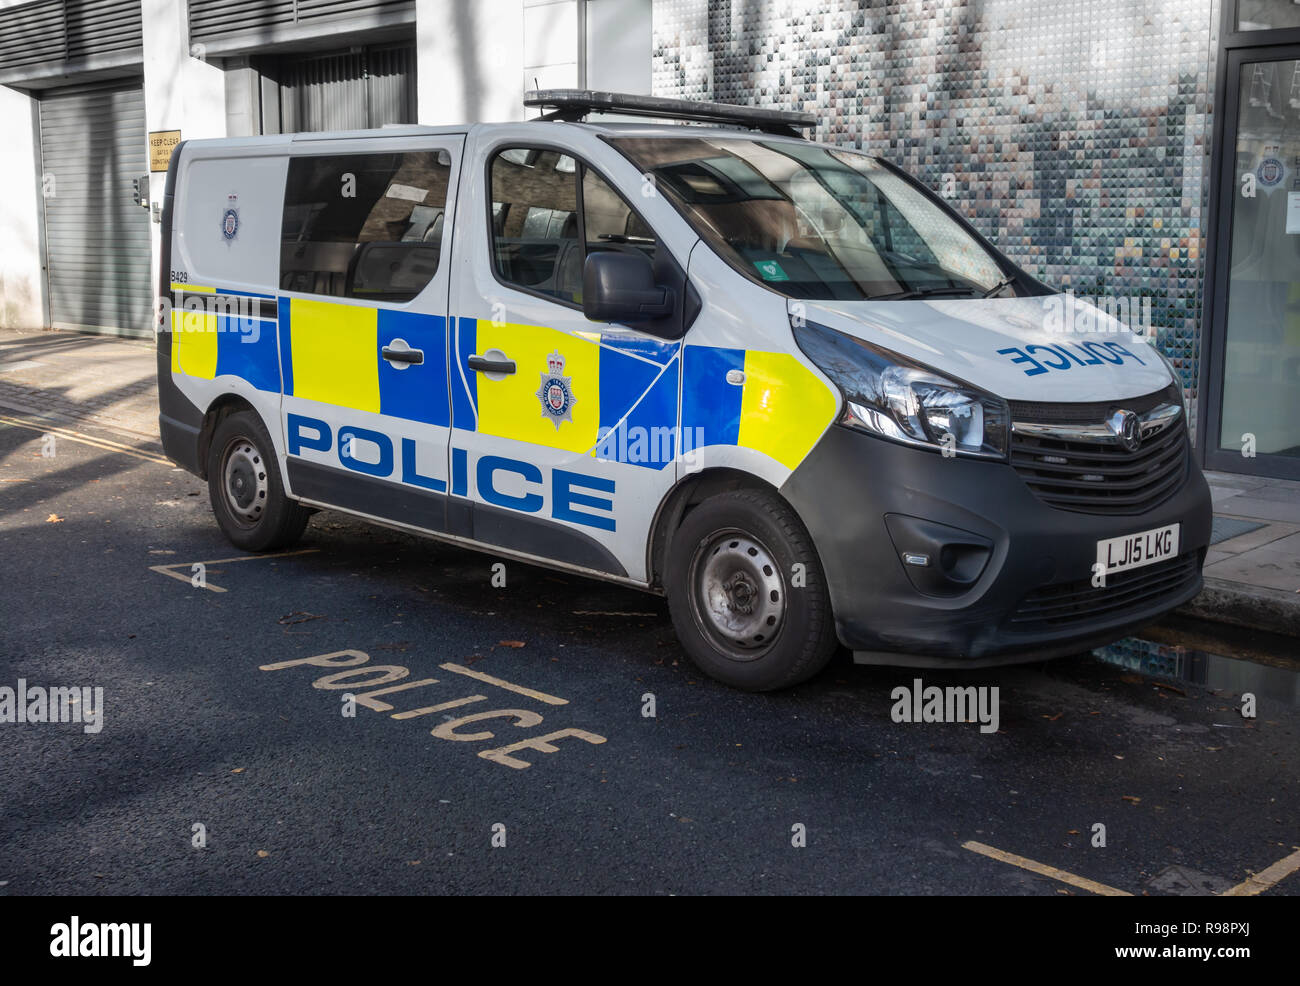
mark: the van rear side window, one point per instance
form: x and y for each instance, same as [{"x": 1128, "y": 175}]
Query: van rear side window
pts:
[{"x": 364, "y": 225}]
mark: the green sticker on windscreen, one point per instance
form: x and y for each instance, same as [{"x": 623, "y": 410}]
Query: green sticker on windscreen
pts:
[{"x": 770, "y": 270}]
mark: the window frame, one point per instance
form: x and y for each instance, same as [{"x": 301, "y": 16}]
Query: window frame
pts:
[
  {"x": 581, "y": 164},
  {"x": 443, "y": 243}
]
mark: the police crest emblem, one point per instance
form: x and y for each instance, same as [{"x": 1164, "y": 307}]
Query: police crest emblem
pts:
[
  {"x": 230, "y": 218},
  {"x": 556, "y": 391}
]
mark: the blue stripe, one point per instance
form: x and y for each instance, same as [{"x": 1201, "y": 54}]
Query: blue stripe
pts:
[
  {"x": 652, "y": 349},
  {"x": 464, "y": 402},
  {"x": 244, "y": 294},
  {"x": 416, "y": 392},
  {"x": 708, "y": 401},
  {"x": 286, "y": 348},
  {"x": 246, "y": 348},
  {"x": 648, "y": 436}
]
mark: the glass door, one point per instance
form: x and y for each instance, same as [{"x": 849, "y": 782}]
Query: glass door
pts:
[{"x": 1256, "y": 320}]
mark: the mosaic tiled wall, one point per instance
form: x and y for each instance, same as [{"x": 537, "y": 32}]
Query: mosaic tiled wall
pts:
[{"x": 1077, "y": 130}]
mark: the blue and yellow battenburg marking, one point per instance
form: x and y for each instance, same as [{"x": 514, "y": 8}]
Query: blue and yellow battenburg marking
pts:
[
  {"x": 618, "y": 384},
  {"x": 622, "y": 390},
  {"x": 331, "y": 353},
  {"x": 224, "y": 333},
  {"x": 780, "y": 408}
]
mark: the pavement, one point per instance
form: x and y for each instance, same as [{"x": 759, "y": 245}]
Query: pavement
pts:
[{"x": 1252, "y": 571}]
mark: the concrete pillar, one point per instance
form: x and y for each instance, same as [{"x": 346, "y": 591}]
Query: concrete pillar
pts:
[{"x": 22, "y": 279}]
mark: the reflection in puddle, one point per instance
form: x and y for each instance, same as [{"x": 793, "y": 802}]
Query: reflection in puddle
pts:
[{"x": 1278, "y": 680}]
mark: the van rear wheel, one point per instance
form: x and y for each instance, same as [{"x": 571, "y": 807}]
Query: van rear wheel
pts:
[
  {"x": 746, "y": 593},
  {"x": 245, "y": 488}
]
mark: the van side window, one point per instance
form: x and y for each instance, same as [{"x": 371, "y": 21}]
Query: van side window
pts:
[
  {"x": 612, "y": 224},
  {"x": 540, "y": 199},
  {"x": 535, "y": 221},
  {"x": 365, "y": 226}
]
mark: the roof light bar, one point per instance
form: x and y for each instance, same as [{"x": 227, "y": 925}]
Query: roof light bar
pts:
[{"x": 575, "y": 104}]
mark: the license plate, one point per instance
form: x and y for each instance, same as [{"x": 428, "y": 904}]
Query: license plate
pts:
[{"x": 1137, "y": 550}]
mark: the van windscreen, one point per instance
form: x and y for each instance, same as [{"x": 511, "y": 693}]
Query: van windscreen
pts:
[{"x": 815, "y": 222}]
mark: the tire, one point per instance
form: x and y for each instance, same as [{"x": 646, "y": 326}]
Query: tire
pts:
[
  {"x": 245, "y": 488},
  {"x": 734, "y": 597}
]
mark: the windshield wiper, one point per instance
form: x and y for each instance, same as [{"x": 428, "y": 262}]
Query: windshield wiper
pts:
[
  {"x": 954, "y": 289},
  {"x": 1004, "y": 283}
]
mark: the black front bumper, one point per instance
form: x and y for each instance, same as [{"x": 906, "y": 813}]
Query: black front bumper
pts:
[{"x": 1019, "y": 582}]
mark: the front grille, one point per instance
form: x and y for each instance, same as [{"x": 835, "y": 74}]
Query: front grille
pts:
[
  {"x": 1102, "y": 477},
  {"x": 1137, "y": 590}
]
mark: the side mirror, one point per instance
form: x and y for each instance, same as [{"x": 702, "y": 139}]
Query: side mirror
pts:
[{"x": 620, "y": 287}]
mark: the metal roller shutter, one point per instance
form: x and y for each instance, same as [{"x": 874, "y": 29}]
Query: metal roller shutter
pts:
[
  {"x": 347, "y": 90},
  {"x": 257, "y": 21},
  {"x": 96, "y": 239}
]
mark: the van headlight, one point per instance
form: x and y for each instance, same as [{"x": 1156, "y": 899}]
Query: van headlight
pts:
[{"x": 905, "y": 401}]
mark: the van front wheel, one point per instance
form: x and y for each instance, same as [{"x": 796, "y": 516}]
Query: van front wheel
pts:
[
  {"x": 746, "y": 593},
  {"x": 244, "y": 486}
]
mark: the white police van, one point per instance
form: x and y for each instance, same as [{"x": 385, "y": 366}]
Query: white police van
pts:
[{"x": 780, "y": 382}]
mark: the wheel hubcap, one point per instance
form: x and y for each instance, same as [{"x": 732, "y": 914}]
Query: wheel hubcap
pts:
[
  {"x": 738, "y": 593},
  {"x": 243, "y": 475}
]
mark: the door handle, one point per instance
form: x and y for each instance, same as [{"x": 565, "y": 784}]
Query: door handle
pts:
[
  {"x": 411, "y": 356},
  {"x": 484, "y": 364}
]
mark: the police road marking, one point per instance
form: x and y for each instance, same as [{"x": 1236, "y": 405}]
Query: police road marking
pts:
[
  {"x": 348, "y": 674},
  {"x": 519, "y": 689},
  {"x": 170, "y": 570},
  {"x": 1257, "y": 883},
  {"x": 1083, "y": 883}
]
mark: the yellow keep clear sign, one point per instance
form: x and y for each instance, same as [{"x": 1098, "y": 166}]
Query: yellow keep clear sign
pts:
[{"x": 161, "y": 145}]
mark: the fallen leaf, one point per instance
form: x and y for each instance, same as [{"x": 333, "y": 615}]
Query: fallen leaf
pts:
[
  {"x": 262, "y": 854},
  {"x": 54, "y": 519},
  {"x": 1130, "y": 798},
  {"x": 1072, "y": 832},
  {"x": 299, "y": 617},
  {"x": 1053, "y": 718},
  {"x": 510, "y": 643},
  {"x": 238, "y": 770}
]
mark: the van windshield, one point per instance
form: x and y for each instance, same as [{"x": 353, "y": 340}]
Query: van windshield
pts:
[{"x": 814, "y": 222}]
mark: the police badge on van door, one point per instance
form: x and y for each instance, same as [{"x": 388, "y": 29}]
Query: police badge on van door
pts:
[
  {"x": 230, "y": 218},
  {"x": 556, "y": 391}
]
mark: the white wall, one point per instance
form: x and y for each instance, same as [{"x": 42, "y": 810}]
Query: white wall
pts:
[
  {"x": 181, "y": 92},
  {"x": 620, "y": 38},
  {"x": 552, "y": 49},
  {"x": 22, "y": 282},
  {"x": 469, "y": 57}
]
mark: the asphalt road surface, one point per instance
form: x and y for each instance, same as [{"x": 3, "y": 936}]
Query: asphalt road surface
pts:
[{"x": 214, "y": 771}]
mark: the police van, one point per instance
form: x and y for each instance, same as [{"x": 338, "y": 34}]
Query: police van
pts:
[{"x": 685, "y": 350}]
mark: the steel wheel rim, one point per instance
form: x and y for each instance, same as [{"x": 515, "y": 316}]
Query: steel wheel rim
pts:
[
  {"x": 243, "y": 481},
  {"x": 738, "y": 593}
]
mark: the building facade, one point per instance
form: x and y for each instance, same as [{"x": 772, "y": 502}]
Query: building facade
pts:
[{"x": 1142, "y": 154}]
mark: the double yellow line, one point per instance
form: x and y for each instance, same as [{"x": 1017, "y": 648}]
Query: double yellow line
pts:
[{"x": 76, "y": 436}]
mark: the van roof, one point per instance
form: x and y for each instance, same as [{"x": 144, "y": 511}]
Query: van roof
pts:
[{"x": 538, "y": 126}]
